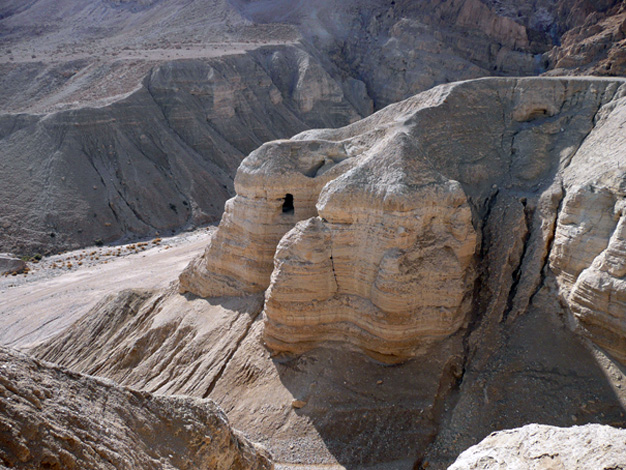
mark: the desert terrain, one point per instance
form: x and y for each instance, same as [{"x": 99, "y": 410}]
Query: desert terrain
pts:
[{"x": 377, "y": 235}]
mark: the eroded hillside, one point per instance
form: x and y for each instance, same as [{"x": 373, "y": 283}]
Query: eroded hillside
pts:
[
  {"x": 470, "y": 235},
  {"x": 127, "y": 118},
  {"x": 54, "y": 418}
]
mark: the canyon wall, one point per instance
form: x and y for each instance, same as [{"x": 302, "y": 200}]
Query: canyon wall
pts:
[
  {"x": 108, "y": 135},
  {"x": 387, "y": 260},
  {"x": 469, "y": 235}
]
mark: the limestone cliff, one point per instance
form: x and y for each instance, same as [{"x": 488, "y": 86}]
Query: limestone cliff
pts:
[
  {"x": 135, "y": 122},
  {"x": 471, "y": 235},
  {"x": 590, "y": 240},
  {"x": 387, "y": 261}
]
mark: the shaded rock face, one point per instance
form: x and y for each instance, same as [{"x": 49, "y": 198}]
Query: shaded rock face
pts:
[
  {"x": 53, "y": 418},
  {"x": 589, "y": 244},
  {"x": 538, "y": 447},
  {"x": 595, "y": 39},
  {"x": 387, "y": 261},
  {"x": 161, "y": 158}
]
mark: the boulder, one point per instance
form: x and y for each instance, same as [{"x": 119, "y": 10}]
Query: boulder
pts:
[
  {"x": 9, "y": 265},
  {"x": 539, "y": 447}
]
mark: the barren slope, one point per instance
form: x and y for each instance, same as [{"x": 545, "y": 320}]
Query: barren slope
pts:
[{"x": 53, "y": 418}]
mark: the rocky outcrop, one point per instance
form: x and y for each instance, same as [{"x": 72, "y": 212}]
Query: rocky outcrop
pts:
[
  {"x": 537, "y": 446},
  {"x": 589, "y": 244},
  {"x": 386, "y": 266},
  {"x": 54, "y": 418},
  {"x": 10, "y": 265},
  {"x": 277, "y": 185},
  {"x": 107, "y": 115},
  {"x": 594, "y": 43},
  {"x": 392, "y": 223},
  {"x": 491, "y": 167}
]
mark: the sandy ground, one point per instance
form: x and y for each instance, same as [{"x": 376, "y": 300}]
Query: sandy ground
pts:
[{"x": 62, "y": 288}]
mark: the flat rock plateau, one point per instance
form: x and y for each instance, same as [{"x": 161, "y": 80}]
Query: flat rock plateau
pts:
[{"x": 421, "y": 240}]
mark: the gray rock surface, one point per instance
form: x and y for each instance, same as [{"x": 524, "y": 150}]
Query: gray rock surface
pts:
[
  {"x": 53, "y": 418},
  {"x": 540, "y": 447},
  {"x": 9, "y": 264},
  {"x": 160, "y": 158}
]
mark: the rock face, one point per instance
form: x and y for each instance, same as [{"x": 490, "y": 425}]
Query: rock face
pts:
[
  {"x": 134, "y": 134},
  {"x": 386, "y": 263},
  {"x": 9, "y": 265},
  {"x": 536, "y": 446},
  {"x": 590, "y": 240},
  {"x": 386, "y": 266},
  {"x": 53, "y": 418},
  {"x": 466, "y": 227},
  {"x": 595, "y": 40}
]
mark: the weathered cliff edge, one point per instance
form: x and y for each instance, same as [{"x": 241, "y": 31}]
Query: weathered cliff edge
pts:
[
  {"x": 387, "y": 261},
  {"x": 465, "y": 227},
  {"x": 536, "y": 447},
  {"x": 54, "y": 418}
]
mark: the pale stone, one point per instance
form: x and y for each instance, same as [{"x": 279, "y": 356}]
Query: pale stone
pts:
[{"x": 541, "y": 447}]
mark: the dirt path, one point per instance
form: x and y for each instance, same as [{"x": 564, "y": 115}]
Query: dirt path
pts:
[{"x": 62, "y": 288}]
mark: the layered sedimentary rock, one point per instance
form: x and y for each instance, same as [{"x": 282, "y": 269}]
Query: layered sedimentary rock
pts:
[
  {"x": 590, "y": 241},
  {"x": 135, "y": 133},
  {"x": 277, "y": 185},
  {"x": 594, "y": 41},
  {"x": 386, "y": 262},
  {"x": 54, "y": 418},
  {"x": 387, "y": 265},
  {"x": 536, "y": 447},
  {"x": 505, "y": 175},
  {"x": 162, "y": 157}
]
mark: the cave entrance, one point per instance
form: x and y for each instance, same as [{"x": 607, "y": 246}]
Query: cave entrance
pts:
[{"x": 288, "y": 204}]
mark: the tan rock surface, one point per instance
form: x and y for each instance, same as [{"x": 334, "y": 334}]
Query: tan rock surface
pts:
[
  {"x": 539, "y": 447},
  {"x": 174, "y": 344},
  {"x": 513, "y": 151},
  {"x": 388, "y": 265},
  {"x": 595, "y": 40},
  {"x": 53, "y": 418},
  {"x": 589, "y": 245}
]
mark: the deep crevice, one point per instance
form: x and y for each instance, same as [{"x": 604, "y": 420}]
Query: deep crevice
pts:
[
  {"x": 517, "y": 273},
  {"x": 222, "y": 369}
]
